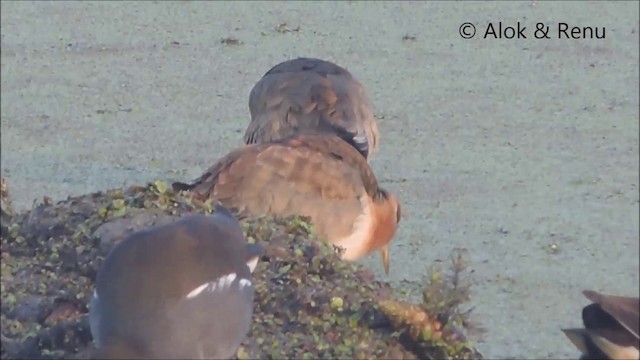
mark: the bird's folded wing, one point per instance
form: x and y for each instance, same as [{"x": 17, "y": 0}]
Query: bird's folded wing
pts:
[
  {"x": 282, "y": 179},
  {"x": 329, "y": 146},
  {"x": 282, "y": 104},
  {"x": 626, "y": 310}
]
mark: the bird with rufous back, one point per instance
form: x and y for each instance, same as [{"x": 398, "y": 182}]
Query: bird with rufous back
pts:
[{"x": 314, "y": 175}]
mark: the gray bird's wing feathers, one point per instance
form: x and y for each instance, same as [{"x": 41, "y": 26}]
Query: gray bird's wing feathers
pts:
[{"x": 215, "y": 318}]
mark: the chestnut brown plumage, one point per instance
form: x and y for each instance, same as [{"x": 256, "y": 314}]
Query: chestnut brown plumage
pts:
[
  {"x": 311, "y": 95},
  {"x": 611, "y": 327},
  {"x": 314, "y": 175}
]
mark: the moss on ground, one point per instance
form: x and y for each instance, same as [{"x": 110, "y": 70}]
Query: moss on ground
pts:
[{"x": 309, "y": 303}]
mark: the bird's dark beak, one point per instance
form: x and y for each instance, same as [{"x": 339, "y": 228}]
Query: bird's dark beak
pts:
[
  {"x": 254, "y": 251},
  {"x": 384, "y": 252}
]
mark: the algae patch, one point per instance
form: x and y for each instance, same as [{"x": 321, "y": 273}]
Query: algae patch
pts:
[{"x": 309, "y": 303}]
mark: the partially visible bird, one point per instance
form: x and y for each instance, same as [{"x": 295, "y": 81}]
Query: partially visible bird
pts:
[
  {"x": 180, "y": 291},
  {"x": 314, "y": 175},
  {"x": 611, "y": 327},
  {"x": 311, "y": 95}
]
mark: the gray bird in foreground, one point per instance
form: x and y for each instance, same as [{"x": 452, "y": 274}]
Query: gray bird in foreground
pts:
[
  {"x": 611, "y": 327},
  {"x": 311, "y": 95},
  {"x": 181, "y": 290}
]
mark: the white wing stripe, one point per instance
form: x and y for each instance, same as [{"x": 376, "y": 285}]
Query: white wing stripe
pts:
[{"x": 221, "y": 284}]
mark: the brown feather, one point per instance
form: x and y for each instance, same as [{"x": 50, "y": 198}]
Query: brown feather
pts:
[
  {"x": 313, "y": 175},
  {"x": 625, "y": 310},
  {"x": 610, "y": 327},
  {"x": 311, "y": 95}
]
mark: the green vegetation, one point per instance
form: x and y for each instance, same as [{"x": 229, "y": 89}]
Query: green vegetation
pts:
[{"x": 309, "y": 303}]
